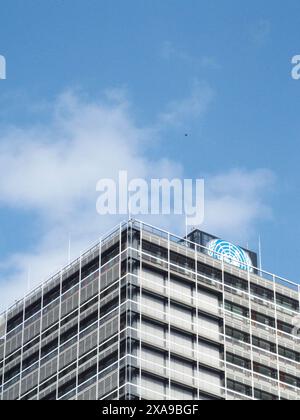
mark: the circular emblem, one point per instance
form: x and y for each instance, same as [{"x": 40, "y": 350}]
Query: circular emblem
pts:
[{"x": 232, "y": 254}]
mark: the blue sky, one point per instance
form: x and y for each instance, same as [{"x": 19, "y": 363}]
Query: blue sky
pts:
[{"x": 218, "y": 71}]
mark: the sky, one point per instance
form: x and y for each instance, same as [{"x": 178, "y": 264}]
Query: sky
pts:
[{"x": 191, "y": 89}]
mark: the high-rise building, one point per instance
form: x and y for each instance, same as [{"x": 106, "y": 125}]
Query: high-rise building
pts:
[{"x": 145, "y": 314}]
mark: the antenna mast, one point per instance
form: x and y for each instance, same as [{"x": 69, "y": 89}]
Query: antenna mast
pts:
[
  {"x": 186, "y": 228},
  {"x": 28, "y": 279},
  {"x": 69, "y": 250},
  {"x": 260, "y": 254}
]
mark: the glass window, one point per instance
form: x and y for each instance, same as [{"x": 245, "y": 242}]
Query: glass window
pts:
[
  {"x": 153, "y": 385},
  {"x": 207, "y": 298},
  {"x": 239, "y": 388},
  {"x": 179, "y": 393},
  {"x": 183, "y": 367},
  {"x": 264, "y": 370},
  {"x": 152, "y": 359},
  {"x": 238, "y": 361},
  {"x": 153, "y": 303},
  {"x": 208, "y": 326},
  {"x": 153, "y": 276},
  {"x": 180, "y": 315},
  {"x": 209, "y": 380},
  {"x": 181, "y": 289},
  {"x": 181, "y": 343},
  {"x": 153, "y": 330},
  {"x": 208, "y": 352}
]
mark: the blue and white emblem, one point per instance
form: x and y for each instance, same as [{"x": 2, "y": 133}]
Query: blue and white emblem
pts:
[{"x": 232, "y": 254}]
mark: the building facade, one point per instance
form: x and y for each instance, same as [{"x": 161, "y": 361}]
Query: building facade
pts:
[{"x": 145, "y": 314}]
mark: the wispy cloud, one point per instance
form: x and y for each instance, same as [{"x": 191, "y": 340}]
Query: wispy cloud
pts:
[
  {"x": 51, "y": 169},
  {"x": 170, "y": 52},
  {"x": 192, "y": 107},
  {"x": 236, "y": 200},
  {"x": 260, "y": 32}
]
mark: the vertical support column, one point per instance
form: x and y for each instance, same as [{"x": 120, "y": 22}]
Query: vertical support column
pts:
[
  {"x": 40, "y": 342},
  {"x": 128, "y": 326},
  {"x": 224, "y": 329},
  {"x": 197, "y": 322},
  {"x": 119, "y": 310},
  {"x": 59, "y": 328},
  {"x": 78, "y": 327},
  {"x": 251, "y": 332},
  {"x": 299, "y": 296},
  {"x": 22, "y": 347},
  {"x": 299, "y": 301},
  {"x": 299, "y": 304},
  {"x": 169, "y": 321},
  {"x": 4, "y": 355},
  {"x": 99, "y": 318},
  {"x": 276, "y": 333},
  {"x": 140, "y": 280}
]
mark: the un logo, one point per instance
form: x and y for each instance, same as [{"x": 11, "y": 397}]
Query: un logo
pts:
[{"x": 230, "y": 254}]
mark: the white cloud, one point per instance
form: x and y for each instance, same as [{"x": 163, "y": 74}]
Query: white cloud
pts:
[
  {"x": 52, "y": 169},
  {"x": 260, "y": 32},
  {"x": 194, "y": 106},
  {"x": 170, "y": 52},
  {"x": 236, "y": 200}
]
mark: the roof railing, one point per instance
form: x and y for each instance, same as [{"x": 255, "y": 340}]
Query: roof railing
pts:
[{"x": 180, "y": 241}]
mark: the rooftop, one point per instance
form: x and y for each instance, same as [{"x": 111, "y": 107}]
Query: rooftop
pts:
[{"x": 260, "y": 275}]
